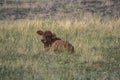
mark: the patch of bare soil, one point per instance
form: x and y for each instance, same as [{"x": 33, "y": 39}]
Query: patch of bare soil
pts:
[{"x": 59, "y": 8}]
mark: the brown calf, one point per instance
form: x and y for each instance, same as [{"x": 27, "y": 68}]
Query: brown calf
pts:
[{"x": 53, "y": 43}]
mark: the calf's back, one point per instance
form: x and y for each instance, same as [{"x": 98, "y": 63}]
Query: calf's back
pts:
[{"x": 60, "y": 45}]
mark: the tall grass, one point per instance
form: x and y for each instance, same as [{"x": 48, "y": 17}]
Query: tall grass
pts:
[{"x": 96, "y": 42}]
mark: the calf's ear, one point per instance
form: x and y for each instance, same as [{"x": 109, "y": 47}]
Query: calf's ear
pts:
[{"x": 39, "y": 32}]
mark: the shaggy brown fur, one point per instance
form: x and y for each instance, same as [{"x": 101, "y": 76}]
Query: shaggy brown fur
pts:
[{"x": 53, "y": 43}]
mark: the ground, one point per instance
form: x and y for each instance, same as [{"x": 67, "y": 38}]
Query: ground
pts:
[
  {"x": 95, "y": 37},
  {"x": 58, "y": 9}
]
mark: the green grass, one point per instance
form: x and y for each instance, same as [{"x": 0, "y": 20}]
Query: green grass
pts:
[{"x": 97, "y": 46}]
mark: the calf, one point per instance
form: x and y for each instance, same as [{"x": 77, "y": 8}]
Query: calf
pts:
[{"x": 53, "y": 43}]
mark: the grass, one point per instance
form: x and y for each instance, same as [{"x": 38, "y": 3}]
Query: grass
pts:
[{"x": 97, "y": 45}]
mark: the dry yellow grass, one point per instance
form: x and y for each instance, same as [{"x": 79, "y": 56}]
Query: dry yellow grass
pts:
[{"x": 97, "y": 45}]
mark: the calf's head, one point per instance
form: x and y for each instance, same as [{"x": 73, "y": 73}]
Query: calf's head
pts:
[{"x": 47, "y": 37}]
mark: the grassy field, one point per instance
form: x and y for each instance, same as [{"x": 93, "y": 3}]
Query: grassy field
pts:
[{"x": 96, "y": 42}]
